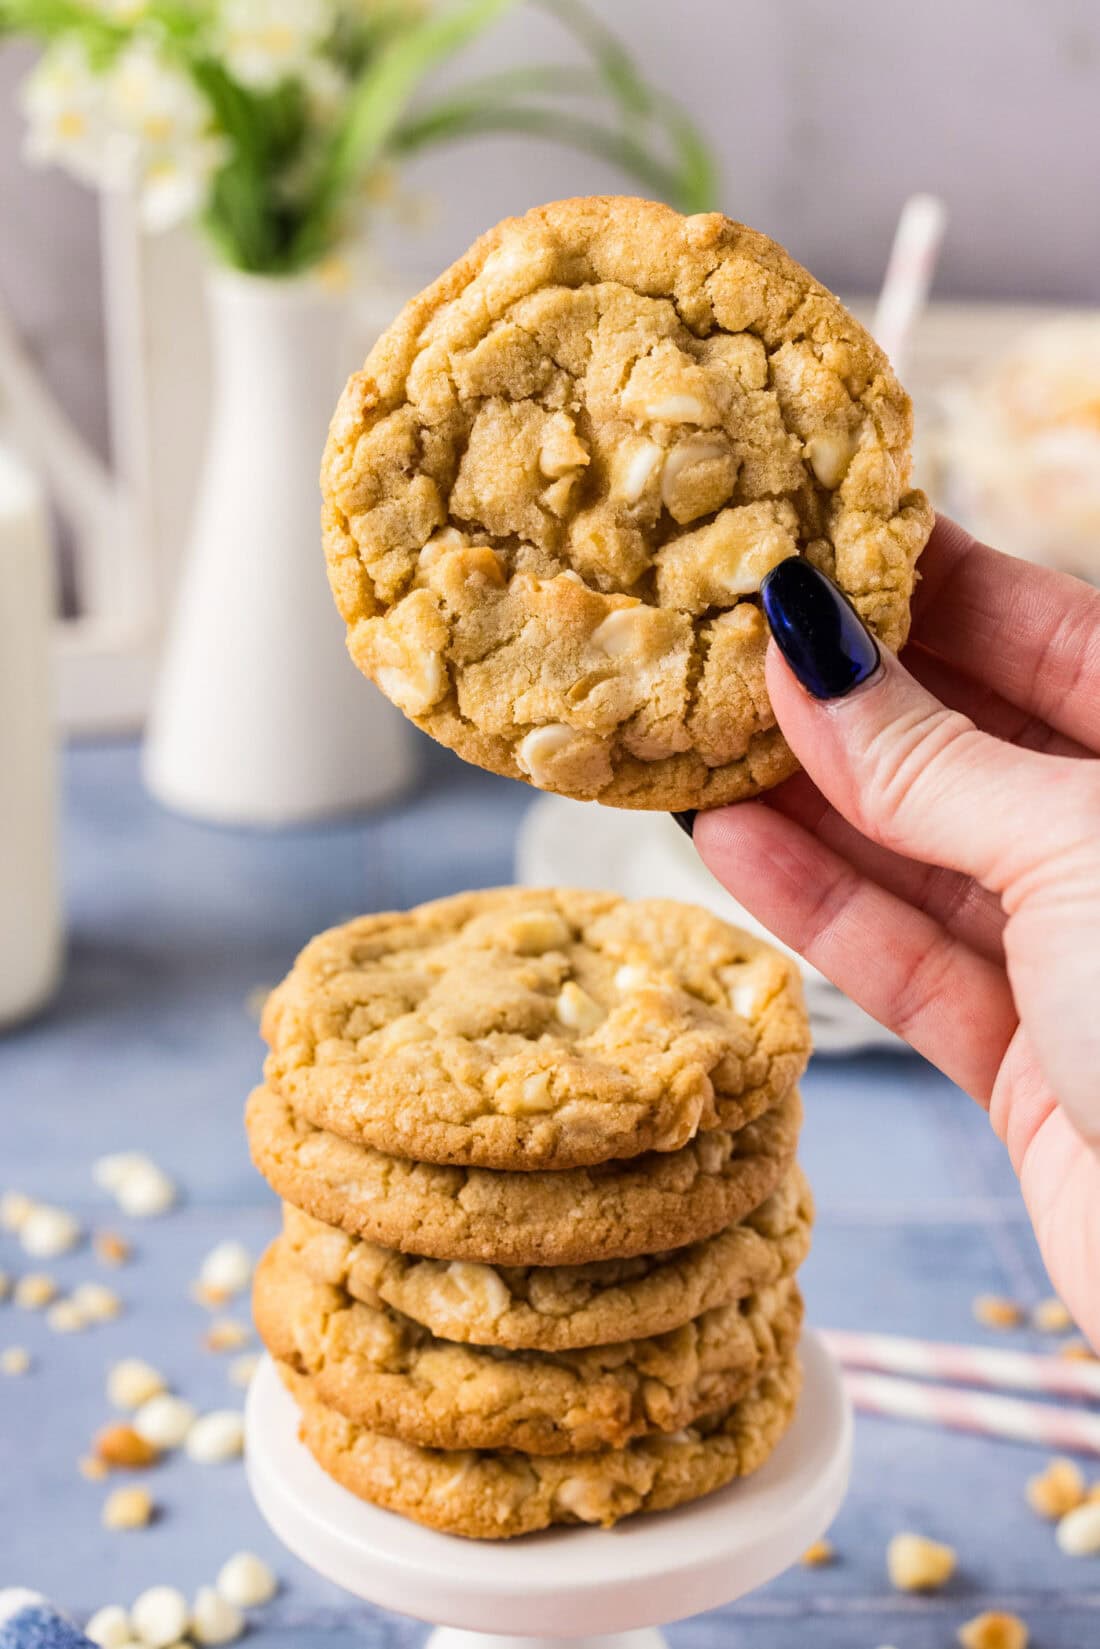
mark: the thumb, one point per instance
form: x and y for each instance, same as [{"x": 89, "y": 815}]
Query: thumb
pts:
[{"x": 908, "y": 772}]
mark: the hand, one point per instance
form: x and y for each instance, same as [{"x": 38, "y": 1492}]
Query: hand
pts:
[{"x": 942, "y": 865}]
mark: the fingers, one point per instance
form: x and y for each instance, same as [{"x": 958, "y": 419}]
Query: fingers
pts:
[
  {"x": 953, "y": 1006},
  {"x": 962, "y": 907},
  {"x": 923, "y": 781},
  {"x": 987, "y": 709},
  {"x": 1032, "y": 634}
]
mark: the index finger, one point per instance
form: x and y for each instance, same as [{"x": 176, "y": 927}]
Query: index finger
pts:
[{"x": 1031, "y": 634}]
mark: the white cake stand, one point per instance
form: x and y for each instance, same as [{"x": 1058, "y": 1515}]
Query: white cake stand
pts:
[{"x": 606, "y": 1588}]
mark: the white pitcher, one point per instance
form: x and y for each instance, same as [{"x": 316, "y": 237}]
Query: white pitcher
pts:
[{"x": 259, "y": 716}]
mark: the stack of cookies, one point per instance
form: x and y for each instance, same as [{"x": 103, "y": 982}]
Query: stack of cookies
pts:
[{"x": 542, "y": 1216}]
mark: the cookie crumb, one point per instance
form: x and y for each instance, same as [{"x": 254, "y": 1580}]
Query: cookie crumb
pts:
[
  {"x": 92, "y": 1468},
  {"x": 994, "y": 1630},
  {"x": 5, "y": 1285},
  {"x": 818, "y": 1555},
  {"x": 227, "y": 1334},
  {"x": 15, "y": 1210},
  {"x": 1057, "y": 1490},
  {"x": 1077, "y": 1351},
  {"x": 129, "y": 1508},
  {"x": 246, "y": 1580},
  {"x": 1051, "y": 1316},
  {"x": 227, "y": 1268},
  {"x": 66, "y": 1317},
  {"x": 15, "y": 1360},
  {"x": 916, "y": 1564},
  {"x": 111, "y": 1249},
  {"x": 109, "y": 1627},
  {"x": 34, "y": 1291},
  {"x": 159, "y": 1617},
  {"x": 1078, "y": 1532},
  {"x": 215, "y": 1437},
  {"x": 97, "y": 1302},
  {"x": 164, "y": 1420},
  {"x": 132, "y": 1382},
  {"x": 214, "y": 1619},
  {"x": 121, "y": 1446},
  {"x": 139, "y": 1187},
  {"x": 994, "y": 1311}
]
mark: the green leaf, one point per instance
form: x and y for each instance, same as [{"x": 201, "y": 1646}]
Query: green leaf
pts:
[{"x": 379, "y": 99}]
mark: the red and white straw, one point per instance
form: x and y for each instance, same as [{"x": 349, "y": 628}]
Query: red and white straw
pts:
[
  {"x": 986, "y": 1366},
  {"x": 1040, "y": 1424},
  {"x": 913, "y": 259}
]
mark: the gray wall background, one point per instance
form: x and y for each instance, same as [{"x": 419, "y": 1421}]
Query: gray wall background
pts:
[{"x": 824, "y": 116}]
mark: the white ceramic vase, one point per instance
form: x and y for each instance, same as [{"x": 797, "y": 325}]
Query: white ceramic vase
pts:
[{"x": 259, "y": 716}]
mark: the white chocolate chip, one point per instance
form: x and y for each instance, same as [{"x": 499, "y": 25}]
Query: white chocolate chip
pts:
[
  {"x": 159, "y": 1617},
  {"x": 632, "y": 976},
  {"x": 15, "y": 1360},
  {"x": 916, "y": 1564},
  {"x": 829, "y": 455},
  {"x": 132, "y": 1383},
  {"x": 109, "y": 1627},
  {"x": 145, "y": 1192},
  {"x": 439, "y": 545},
  {"x": 66, "y": 1317},
  {"x": 480, "y": 1286},
  {"x": 96, "y": 1302},
  {"x": 1078, "y": 1533},
  {"x": 216, "y": 1437},
  {"x": 561, "y": 450},
  {"x": 128, "y": 1508},
  {"x": 15, "y": 1210},
  {"x": 577, "y": 1010},
  {"x": 164, "y": 1421},
  {"x": 227, "y": 1268},
  {"x": 678, "y": 409},
  {"x": 533, "y": 932},
  {"x": 214, "y": 1619},
  {"x": 34, "y": 1291},
  {"x": 536, "y": 751},
  {"x": 109, "y": 1172},
  {"x": 48, "y": 1231},
  {"x": 698, "y": 477},
  {"x": 633, "y": 468},
  {"x": 415, "y": 684},
  {"x": 620, "y": 632},
  {"x": 588, "y": 1498},
  {"x": 246, "y": 1581}
]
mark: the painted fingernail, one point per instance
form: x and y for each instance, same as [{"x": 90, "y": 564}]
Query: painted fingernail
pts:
[
  {"x": 686, "y": 821},
  {"x": 817, "y": 629}
]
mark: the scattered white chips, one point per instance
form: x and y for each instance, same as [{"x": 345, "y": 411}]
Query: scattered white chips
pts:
[
  {"x": 215, "y": 1437},
  {"x": 246, "y": 1580},
  {"x": 226, "y": 1270},
  {"x": 164, "y": 1421},
  {"x": 132, "y": 1382},
  {"x": 109, "y": 1627},
  {"x": 47, "y": 1231},
  {"x": 214, "y": 1619},
  {"x": 159, "y": 1617},
  {"x": 138, "y": 1186}
]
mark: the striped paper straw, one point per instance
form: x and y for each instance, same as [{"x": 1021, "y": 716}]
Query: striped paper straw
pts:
[
  {"x": 976, "y": 1411},
  {"x": 909, "y": 272},
  {"x": 973, "y": 1365}
]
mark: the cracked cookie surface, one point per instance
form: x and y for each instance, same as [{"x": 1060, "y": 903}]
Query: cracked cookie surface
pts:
[
  {"x": 524, "y": 1029},
  {"x": 489, "y": 1496},
  {"x": 553, "y": 490},
  {"x": 391, "y": 1375},
  {"x": 558, "y": 1308},
  {"x": 611, "y": 1211}
]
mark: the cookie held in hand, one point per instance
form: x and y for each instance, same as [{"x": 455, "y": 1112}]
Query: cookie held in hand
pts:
[{"x": 552, "y": 492}]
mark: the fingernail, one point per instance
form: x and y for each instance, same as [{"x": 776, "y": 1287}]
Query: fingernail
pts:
[
  {"x": 686, "y": 821},
  {"x": 817, "y": 629}
]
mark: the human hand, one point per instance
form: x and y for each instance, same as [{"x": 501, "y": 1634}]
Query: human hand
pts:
[{"x": 942, "y": 865}]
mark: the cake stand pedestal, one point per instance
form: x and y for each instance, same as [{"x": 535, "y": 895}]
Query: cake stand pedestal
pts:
[{"x": 608, "y": 1588}]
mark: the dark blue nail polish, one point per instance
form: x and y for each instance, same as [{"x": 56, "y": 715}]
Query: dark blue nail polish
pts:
[
  {"x": 817, "y": 629},
  {"x": 686, "y": 821}
]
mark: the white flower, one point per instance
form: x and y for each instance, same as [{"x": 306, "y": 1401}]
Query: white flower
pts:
[
  {"x": 326, "y": 88},
  {"x": 63, "y": 102},
  {"x": 263, "y": 42},
  {"x": 161, "y": 133}
]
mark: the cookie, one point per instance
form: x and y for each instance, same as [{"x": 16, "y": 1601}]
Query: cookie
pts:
[
  {"x": 560, "y": 1308},
  {"x": 488, "y": 1496},
  {"x": 391, "y": 1375},
  {"x": 613, "y": 1211},
  {"x": 527, "y": 1029},
  {"x": 553, "y": 490}
]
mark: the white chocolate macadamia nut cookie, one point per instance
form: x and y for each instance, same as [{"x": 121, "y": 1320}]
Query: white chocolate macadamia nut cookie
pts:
[{"x": 552, "y": 493}]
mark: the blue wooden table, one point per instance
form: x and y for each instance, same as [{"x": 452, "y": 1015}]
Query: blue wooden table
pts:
[{"x": 151, "y": 1045}]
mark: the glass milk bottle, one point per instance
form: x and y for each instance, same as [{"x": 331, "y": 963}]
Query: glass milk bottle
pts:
[{"x": 30, "y": 919}]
